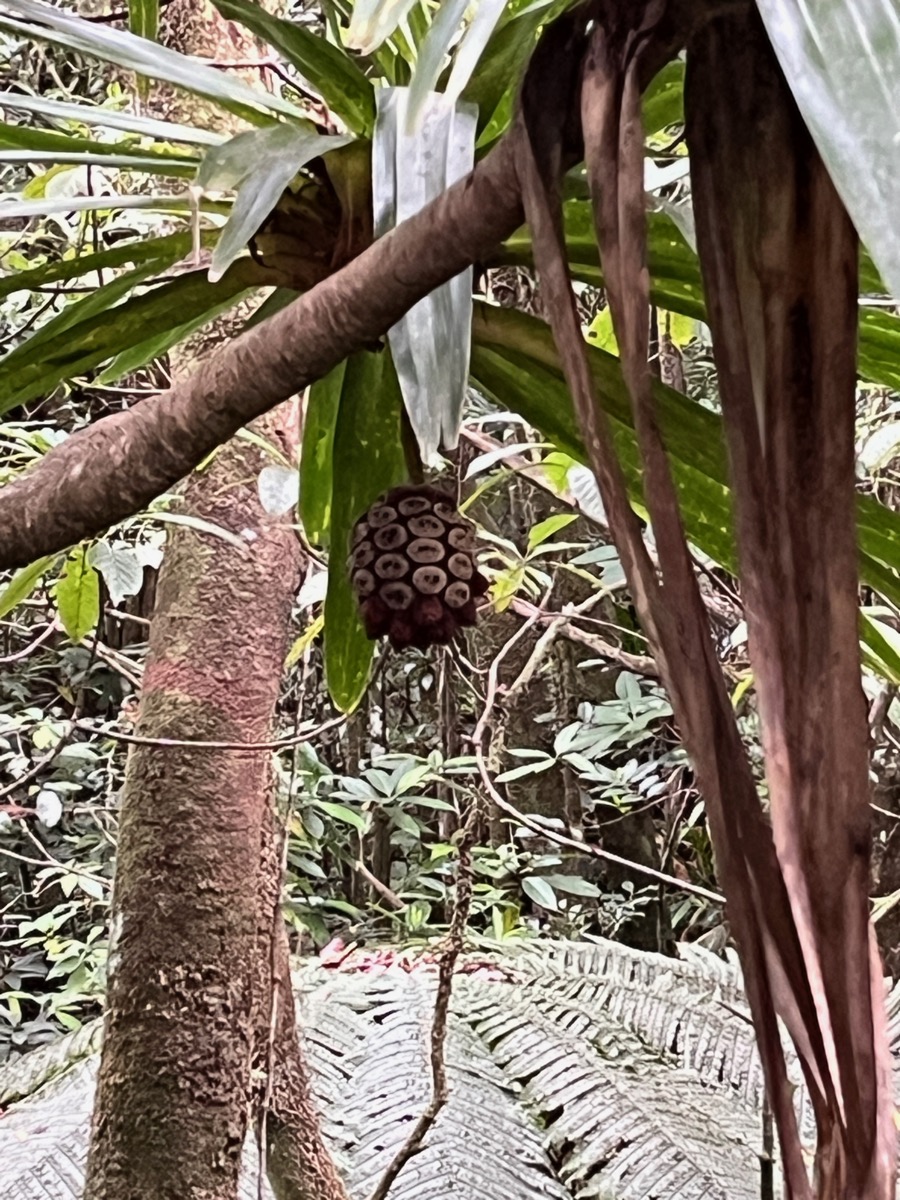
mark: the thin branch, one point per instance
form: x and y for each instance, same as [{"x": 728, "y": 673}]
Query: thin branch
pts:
[
  {"x": 454, "y": 943},
  {"x": 119, "y": 663},
  {"x": 32, "y": 646},
  {"x": 134, "y": 739},
  {"x": 124, "y": 616},
  {"x": 449, "y": 959},
  {"x": 638, "y": 663},
  {"x": 382, "y": 889},
  {"x": 586, "y": 847}
]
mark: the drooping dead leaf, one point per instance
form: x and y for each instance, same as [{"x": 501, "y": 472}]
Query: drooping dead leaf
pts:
[
  {"x": 779, "y": 258},
  {"x": 625, "y": 45}
]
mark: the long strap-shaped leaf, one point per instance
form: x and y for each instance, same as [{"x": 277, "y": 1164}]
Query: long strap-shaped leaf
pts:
[
  {"x": 671, "y": 610},
  {"x": 780, "y": 264}
]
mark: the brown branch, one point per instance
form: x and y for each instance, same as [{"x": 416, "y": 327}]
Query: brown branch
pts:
[
  {"x": 449, "y": 959},
  {"x": 639, "y": 663},
  {"x": 134, "y": 739},
  {"x": 391, "y": 898},
  {"x": 119, "y": 464},
  {"x": 38, "y": 641},
  {"x": 455, "y": 937},
  {"x": 561, "y": 839}
]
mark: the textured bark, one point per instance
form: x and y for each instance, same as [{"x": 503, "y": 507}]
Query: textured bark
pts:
[
  {"x": 198, "y": 832},
  {"x": 299, "y": 1167},
  {"x": 179, "y": 1031},
  {"x": 118, "y": 465}
]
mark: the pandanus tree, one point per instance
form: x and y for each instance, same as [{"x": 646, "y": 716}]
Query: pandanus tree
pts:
[{"x": 781, "y": 150}]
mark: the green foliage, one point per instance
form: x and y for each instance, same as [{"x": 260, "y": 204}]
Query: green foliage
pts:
[
  {"x": 131, "y": 333},
  {"x": 367, "y": 458},
  {"x": 78, "y": 595},
  {"x": 318, "y": 444},
  {"x": 331, "y": 71}
]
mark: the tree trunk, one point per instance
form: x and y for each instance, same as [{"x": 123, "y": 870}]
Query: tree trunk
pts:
[
  {"x": 179, "y": 1030},
  {"x": 200, "y": 981}
]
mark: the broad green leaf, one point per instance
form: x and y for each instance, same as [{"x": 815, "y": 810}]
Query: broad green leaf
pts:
[
  {"x": 367, "y": 458},
  {"x": 538, "y": 534},
  {"x": 23, "y": 583},
  {"x": 540, "y": 891},
  {"x": 601, "y": 333},
  {"x": 271, "y": 158},
  {"x": 143, "y": 17},
  {"x": 340, "y": 812},
  {"x": 221, "y": 295},
  {"x": 43, "y": 22},
  {"x": 86, "y": 335},
  {"x": 97, "y": 303},
  {"x": 881, "y": 648},
  {"x": 304, "y": 641},
  {"x": 841, "y": 59},
  {"x": 506, "y": 586},
  {"x": 531, "y": 768},
  {"x": 574, "y": 885},
  {"x": 95, "y": 888},
  {"x": 78, "y": 595},
  {"x": 556, "y": 467},
  {"x": 664, "y": 99},
  {"x": 406, "y": 823},
  {"x": 316, "y": 456},
  {"x": 330, "y": 70},
  {"x": 676, "y": 286},
  {"x": 109, "y": 118}
]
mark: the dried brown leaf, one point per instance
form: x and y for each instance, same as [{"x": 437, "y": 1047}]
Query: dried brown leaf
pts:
[{"x": 779, "y": 257}]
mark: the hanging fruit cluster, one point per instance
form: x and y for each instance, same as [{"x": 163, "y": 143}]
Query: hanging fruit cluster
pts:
[{"x": 412, "y": 564}]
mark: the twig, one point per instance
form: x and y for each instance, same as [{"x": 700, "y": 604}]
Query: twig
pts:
[
  {"x": 454, "y": 944},
  {"x": 32, "y": 646},
  {"x": 41, "y": 764},
  {"x": 586, "y": 847},
  {"x": 49, "y": 861},
  {"x": 638, "y": 663},
  {"x": 63, "y": 740},
  {"x": 537, "y": 656},
  {"x": 124, "y": 666},
  {"x": 134, "y": 739},
  {"x": 124, "y": 616},
  {"x": 449, "y": 959},
  {"x": 381, "y": 888}
]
